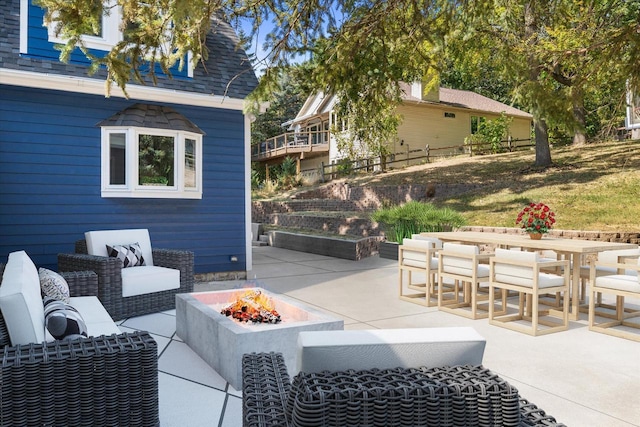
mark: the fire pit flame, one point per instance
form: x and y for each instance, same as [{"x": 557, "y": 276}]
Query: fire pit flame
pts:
[{"x": 253, "y": 306}]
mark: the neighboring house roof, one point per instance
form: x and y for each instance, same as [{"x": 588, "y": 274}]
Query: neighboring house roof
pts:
[
  {"x": 466, "y": 99},
  {"x": 315, "y": 105},
  {"x": 226, "y": 72},
  {"x": 319, "y": 103},
  {"x": 151, "y": 116}
]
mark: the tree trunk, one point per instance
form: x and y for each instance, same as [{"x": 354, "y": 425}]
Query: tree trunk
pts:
[
  {"x": 579, "y": 116},
  {"x": 543, "y": 153}
]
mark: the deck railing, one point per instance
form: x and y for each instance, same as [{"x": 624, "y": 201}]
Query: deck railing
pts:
[{"x": 289, "y": 143}]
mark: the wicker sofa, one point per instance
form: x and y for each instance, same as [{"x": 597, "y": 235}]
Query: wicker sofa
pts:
[
  {"x": 96, "y": 381},
  {"x": 448, "y": 396},
  {"x": 110, "y": 282}
]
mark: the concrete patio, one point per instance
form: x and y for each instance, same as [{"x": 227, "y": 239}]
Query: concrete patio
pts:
[{"x": 582, "y": 378}]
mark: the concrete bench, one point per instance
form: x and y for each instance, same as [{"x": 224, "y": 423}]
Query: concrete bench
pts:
[{"x": 388, "y": 348}]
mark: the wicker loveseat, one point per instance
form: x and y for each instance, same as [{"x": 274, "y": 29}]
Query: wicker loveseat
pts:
[
  {"x": 96, "y": 381},
  {"x": 447, "y": 396},
  {"x": 110, "y": 282}
]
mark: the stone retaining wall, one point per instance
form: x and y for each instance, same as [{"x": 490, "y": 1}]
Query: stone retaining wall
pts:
[
  {"x": 374, "y": 197},
  {"x": 261, "y": 211},
  {"x": 342, "y": 226},
  {"x": 602, "y": 236}
]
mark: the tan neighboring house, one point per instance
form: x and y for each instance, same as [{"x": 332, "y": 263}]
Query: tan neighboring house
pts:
[{"x": 440, "y": 120}]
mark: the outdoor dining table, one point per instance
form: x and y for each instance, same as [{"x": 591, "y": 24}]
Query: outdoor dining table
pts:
[{"x": 574, "y": 249}]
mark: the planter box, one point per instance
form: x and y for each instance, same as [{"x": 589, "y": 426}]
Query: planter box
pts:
[
  {"x": 354, "y": 250},
  {"x": 388, "y": 250}
]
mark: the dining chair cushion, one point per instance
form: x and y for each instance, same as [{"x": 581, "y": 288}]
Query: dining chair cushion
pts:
[
  {"x": 419, "y": 244},
  {"x": 462, "y": 265},
  {"x": 417, "y": 258},
  {"x": 610, "y": 257},
  {"x": 437, "y": 243},
  {"x": 521, "y": 275},
  {"x": 409, "y": 260},
  {"x": 620, "y": 282}
]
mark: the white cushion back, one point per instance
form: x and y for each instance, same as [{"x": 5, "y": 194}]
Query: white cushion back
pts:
[
  {"x": 459, "y": 265},
  {"x": 97, "y": 241},
  {"x": 517, "y": 256},
  {"x": 437, "y": 243},
  {"x": 611, "y": 257},
  {"x": 418, "y": 243},
  {"x": 21, "y": 301}
]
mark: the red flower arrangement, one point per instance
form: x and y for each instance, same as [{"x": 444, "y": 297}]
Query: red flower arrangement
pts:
[{"x": 536, "y": 218}]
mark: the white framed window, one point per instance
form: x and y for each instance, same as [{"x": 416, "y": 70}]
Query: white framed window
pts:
[
  {"x": 107, "y": 36},
  {"x": 151, "y": 163}
]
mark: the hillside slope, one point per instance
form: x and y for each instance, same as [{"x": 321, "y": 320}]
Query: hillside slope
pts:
[{"x": 592, "y": 187}]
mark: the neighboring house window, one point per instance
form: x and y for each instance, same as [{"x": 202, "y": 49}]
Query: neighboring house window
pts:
[
  {"x": 450, "y": 115},
  {"x": 151, "y": 163},
  {"x": 151, "y": 151},
  {"x": 475, "y": 123}
]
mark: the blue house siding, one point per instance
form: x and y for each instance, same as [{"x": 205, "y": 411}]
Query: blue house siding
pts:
[{"x": 50, "y": 181}]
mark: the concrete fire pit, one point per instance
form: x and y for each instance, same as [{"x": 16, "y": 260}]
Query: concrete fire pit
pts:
[{"x": 221, "y": 341}]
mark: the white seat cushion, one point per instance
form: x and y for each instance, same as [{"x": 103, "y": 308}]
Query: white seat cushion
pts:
[
  {"x": 621, "y": 282},
  {"x": 95, "y": 316},
  {"x": 148, "y": 279},
  {"x": 412, "y": 261},
  {"x": 20, "y": 300},
  {"x": 97, "y": 241},
  {"x": 545, "y": 280}
]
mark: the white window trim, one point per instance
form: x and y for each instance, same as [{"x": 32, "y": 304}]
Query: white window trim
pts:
[
  {"x": 111, "y": 33},
  {"x": 131, "y": 188}
]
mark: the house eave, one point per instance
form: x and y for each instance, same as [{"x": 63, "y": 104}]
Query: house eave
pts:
[
  {"x": 443, "y": 106},
  {"x": 97, "y": 87}
]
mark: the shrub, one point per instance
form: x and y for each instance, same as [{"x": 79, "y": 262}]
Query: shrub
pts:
[{"x": 401, "y": 221}]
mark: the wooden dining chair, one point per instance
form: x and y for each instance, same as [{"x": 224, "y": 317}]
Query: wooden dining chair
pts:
[
  {"x": 622, "y": 282},
  {"x": 524, "y": 273},
  {"x": 418, "y": 255},
  {"x": 467, "y": 268}
]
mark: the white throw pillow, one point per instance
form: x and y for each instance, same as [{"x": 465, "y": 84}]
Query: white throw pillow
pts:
[{"x": 53, "y": 285}]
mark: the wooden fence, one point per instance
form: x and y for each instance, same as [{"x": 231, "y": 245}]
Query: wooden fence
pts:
[{"x": 409, "y": 156}]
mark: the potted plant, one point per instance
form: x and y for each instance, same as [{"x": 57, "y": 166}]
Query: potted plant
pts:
[
  {"x": 401, "y": 221},
  {"x": 536, "y": 219}
]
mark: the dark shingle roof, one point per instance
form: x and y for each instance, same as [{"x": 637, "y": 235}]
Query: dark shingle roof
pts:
[
  {"x": 227, "y": 71},
  {"x": 151, "y": 116}
]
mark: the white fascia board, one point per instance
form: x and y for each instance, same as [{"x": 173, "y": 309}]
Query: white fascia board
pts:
[{"x": 97, "y": 87}]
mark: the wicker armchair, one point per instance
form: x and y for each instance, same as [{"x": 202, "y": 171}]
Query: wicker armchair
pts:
[
  {"x": 448, "y": 396},
  {"x": 110, "y": 280},
  {"x": 96, "y": 381}
]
